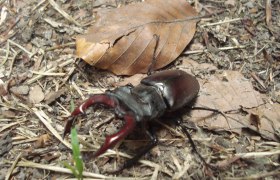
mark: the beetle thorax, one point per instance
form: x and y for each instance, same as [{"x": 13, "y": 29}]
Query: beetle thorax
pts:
[{"x": 144, "y": 101}]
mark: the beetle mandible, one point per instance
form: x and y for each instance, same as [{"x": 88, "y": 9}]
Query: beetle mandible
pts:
[{"x": 157, "y": 94}]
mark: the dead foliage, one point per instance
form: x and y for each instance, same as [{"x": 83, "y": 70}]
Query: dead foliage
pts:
[
  {"x": 226, "y": 92},
  {"x": 124, "y": 40},
  {"x": 234, "y": 54}
]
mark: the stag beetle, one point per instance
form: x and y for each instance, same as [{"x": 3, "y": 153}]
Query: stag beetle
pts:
[{"x": 156, "y": 95}]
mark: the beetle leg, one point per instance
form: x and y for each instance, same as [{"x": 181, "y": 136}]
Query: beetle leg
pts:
[
  {"x": 215, "y": 111},
  {"x": 184, "y": 129},
  {"x": 111, "y": 140},
  {"x": 153, "y": 143},
  {"x": 95, "y": 99}
]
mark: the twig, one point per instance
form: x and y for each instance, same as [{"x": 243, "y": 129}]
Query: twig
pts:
[
  {"x": 47, "y": 74},
  {"x": 58, "y": 169},
  {"x": 38, "y": 5},
  {"x": 105, "y": 121},
  {"x": 258, "y": 154},
  {"x": 22, "y": 48},
  {"x": 222, "y": 22},
  {"x": 10, "y": 125},
  {"x": 8, "y": 37},
  {"x": 74, "y": 85},
  {"x": 220, "y": 49},
  {"x": 7, "y": 54},
  {"x": 71, "y": 44},
  {"x": 256, "y": 176},
  {"x": 44, "y": 119},
  {"x": 7, "y": 177},
  {"x": 65, "y": 110},
  {"x": 39, "y": 76},
  {"x": 111, "y": 152},
  {"x": 155, "y": 173},
  {"x": 12, "y": 64},
  {"x": 63, "y": 13},
  {"x": 257, "y": 52},
  {"x": 24, "y": 141},
  {"x": 110, "y": 178},
  {"x": 145, "y": 162},
  {"x": 258, "y": 80},
  {"x": 183, "y": 170}
]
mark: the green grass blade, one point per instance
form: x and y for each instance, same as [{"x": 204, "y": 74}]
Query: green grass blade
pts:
[
  {"x": 72, "y": 105},
  {"x": 72, "y": 169},
  {"x": 76, "y": 152}
]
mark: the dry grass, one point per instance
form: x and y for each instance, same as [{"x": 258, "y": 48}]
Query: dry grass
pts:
[{"x": 39, "y": 77}]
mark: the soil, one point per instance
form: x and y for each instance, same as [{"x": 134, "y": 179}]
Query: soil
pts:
[{"x": 40, "y": 77}]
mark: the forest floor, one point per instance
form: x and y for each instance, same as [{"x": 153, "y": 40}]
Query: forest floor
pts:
[{"x": 235, "y": 55}]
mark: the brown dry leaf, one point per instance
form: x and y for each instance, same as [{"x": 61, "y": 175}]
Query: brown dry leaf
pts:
[
  {"x": 52, "y": 96},
  {"x": 134, "y": 80},
  {"x": 36, "y": 94},
  {"x": 122, "y": 40},
  {"x": 231, "y": 92},
  {"x": 3, "y": 90},
  {"x": 42, "y": 141},
  {"x": 269, "y": 116},
  {"x": 255, "y": 120},
  {"x": 7, "y": 113}
]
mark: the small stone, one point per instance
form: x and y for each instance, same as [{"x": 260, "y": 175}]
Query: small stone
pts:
[
  {"x": 36, "y": 94},
  {"x": 21, "y": 90}
]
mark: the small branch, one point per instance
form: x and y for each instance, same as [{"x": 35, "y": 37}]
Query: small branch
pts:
[
  {"x": 38, "y": 5},
  {"x": 111, "y": 152},
  {"x": 48, "y": 74},
  {"x": 258, "y": 154},
  {"x": 71, "y": 44},
  {"x": 7, "y": 177},
  {"x": 22, "y": 48},
  {"x": 10, "y": 125},
  {"x": 222, "y": 22},
  {"x": 51, "y": 70},
  {"x": 7, "y": 54},
  {"x": 63, "y": 13},
  {"x": 58, "y": 169},
  {"x": 39, "y": 76},
  {"x": 12, "y": 64},
  {"x": 74, "y": 85},
  {"x": 220, "y": 49},
  {"x": 45, "y": 120},
  {"x": 256, "y": 176}
]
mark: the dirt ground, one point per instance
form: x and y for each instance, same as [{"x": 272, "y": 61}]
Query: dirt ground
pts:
[{"x": 40, "y": 76}]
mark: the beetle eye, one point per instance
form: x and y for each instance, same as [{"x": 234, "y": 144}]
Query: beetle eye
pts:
[{"x": 160, "y": 86}]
